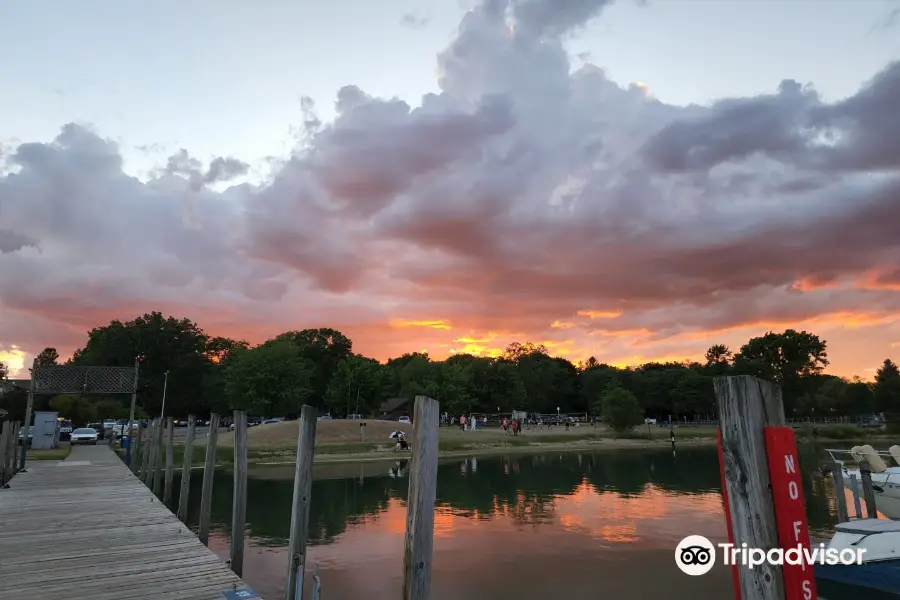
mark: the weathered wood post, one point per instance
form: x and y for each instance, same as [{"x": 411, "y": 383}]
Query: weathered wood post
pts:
[
  {"x": 130, "y": 450},
  {"x": 146, "y": 446},
  {"x": 840, "y": 497},
  {"x": 865, "y": 473},
  {"x": 854, "y": 488},
  {"x": 757, "y": 450},
  {"x": 420, "y": 501},
  {"x": 136, "y": 451},
  {"x": 158, "y": 458},
  {"x": 306, "y": 446},
  {"x": 15, "y": 463},
  {"x": 209, "y": 472},
  {"x": 27, "y": 423},
  {"x": 4, "y": 456},
  {"x": 239, "y": 495},
  {"x": 170, "y": 460},
  {"x": 186, "y": 470}
]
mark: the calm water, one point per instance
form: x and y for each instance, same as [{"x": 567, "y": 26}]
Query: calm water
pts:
[{"x": 579, "y": 526}]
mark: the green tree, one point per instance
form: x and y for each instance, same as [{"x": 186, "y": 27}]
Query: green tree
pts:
[
  {"x": 48, "y": 356},
  {"x": 505, "y": 388},
  {"x": 887, "y": 392},
  {"x": 359, "y": 384},
  {"x": 784, "y": 358},
  {"x": 271, "y": 380},
  {"x": 594, "y": 381},
  {"x": 161, "y": 344},
  {"x": 718, "y": 360},
  {"x": 621, "y": 410},
  {"x": 4, "y": 371},
  {"x": 79, "y": 410},
  {"x": 325, "y": 348},
  {"x": 693, "y": 394}
]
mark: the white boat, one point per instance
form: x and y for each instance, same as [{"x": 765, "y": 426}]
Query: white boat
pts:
[
  {"x": 885, "y": 479},
  {"x": 878, "y": 577}
]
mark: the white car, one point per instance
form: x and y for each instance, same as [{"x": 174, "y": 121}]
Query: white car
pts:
[
  {"x": 404, "y": 420},
  {"x": 84, "y": 435}
]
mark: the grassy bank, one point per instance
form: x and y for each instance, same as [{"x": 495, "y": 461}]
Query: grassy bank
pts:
[
  {"x": 342, "y": 441},
  {"x": 60, "y": 453}
]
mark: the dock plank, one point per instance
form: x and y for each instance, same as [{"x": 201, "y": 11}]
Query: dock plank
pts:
[{"x": 88, "y": 526}]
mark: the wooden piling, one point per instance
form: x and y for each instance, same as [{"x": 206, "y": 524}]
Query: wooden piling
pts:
[
  {"x": 747, "y": 405},
  {"x": 153, "y": 447},
  {"x": 868, "y": 491},
  {"x": 15, "y": 463},
  {"x": 29, "y": 406},
  {"x": 12, "y": 440},
  {"x": 840, "y": 497},
  {"x": 306, "y": 445},
  {"x": 147, "y": 466},
  {"x": 136, "y": 451},
  {"x": 209, "y": 472},
  {"x": 419, "y": 547},
  {"x": 158, "y": 462},
  {"x": 170, "y": 460},
  {"x": 854, "y": 489},
  {"x": 186, "y": 470},
  {"x": 239, "y": 494},
  {"x": 146, "y": 454},
  {"x": 4, "y": 445}
]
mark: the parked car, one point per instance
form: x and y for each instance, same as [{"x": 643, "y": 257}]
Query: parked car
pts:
[
  {"x": 405, "y": 420},
  {"x": 30, "y": 434},
  {"x": 99, "y": 428},
  {"x": 272, "y": 420},
  {"x": 84, "y": 435},
  {"x": 65, "y": 429},
  {"x": 324, "y": 418},
  {"x": 355, "y": 417}
]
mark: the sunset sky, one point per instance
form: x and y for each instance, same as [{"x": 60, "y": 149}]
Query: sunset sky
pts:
[{"x": 629, "y": 180}]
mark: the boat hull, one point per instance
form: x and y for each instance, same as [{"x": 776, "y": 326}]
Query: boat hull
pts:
[{"x": 868, "y": 581}]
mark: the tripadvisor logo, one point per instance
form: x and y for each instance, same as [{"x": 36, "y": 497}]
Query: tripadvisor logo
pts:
[{"x": 696, "y": 555}]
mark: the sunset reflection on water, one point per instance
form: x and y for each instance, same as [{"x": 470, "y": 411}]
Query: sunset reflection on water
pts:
[{"x": 521, "y": 528}]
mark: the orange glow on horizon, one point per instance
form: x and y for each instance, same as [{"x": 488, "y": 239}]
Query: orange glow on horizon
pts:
[
  {"x": 433, "y": 324},
  {"x": 599, "y": 314},
  {"x": 14, "y": 359}
]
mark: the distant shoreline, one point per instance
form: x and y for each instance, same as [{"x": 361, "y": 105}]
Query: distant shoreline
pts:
[{"x": 280, "y": 453}]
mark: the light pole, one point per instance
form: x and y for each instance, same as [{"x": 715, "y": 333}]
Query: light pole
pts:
[
  {"x": 557, "y": 412},
  {"x": 162, "y": 410}
]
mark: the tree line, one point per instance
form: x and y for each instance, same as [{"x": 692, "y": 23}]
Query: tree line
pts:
[{"x": 318, "y": 367}]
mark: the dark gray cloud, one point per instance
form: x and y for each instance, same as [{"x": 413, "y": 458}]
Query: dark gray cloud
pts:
[{"x": 518, "y": 196}]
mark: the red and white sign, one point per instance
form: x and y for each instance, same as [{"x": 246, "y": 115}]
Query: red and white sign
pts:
[
  {"x": 735, "y": 573},
  {"x": 790, "y": 509}
]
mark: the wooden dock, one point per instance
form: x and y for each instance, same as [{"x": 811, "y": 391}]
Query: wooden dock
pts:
[{"x": 87, "y": 527}]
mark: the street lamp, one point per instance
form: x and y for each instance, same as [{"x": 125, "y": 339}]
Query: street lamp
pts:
[
  {"x": 557, "y": 412},
  {"x": 162, "y": 410}
]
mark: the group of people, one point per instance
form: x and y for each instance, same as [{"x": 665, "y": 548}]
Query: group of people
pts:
[
  {"x": 512, "y": 425},
  {"x": 469, "y": 423}
]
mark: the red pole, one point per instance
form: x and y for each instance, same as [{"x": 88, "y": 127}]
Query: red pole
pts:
[{"x": 735, "y": 576}]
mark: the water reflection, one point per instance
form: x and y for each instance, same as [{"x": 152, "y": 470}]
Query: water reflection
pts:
[{"x": 505, "y": 527}]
